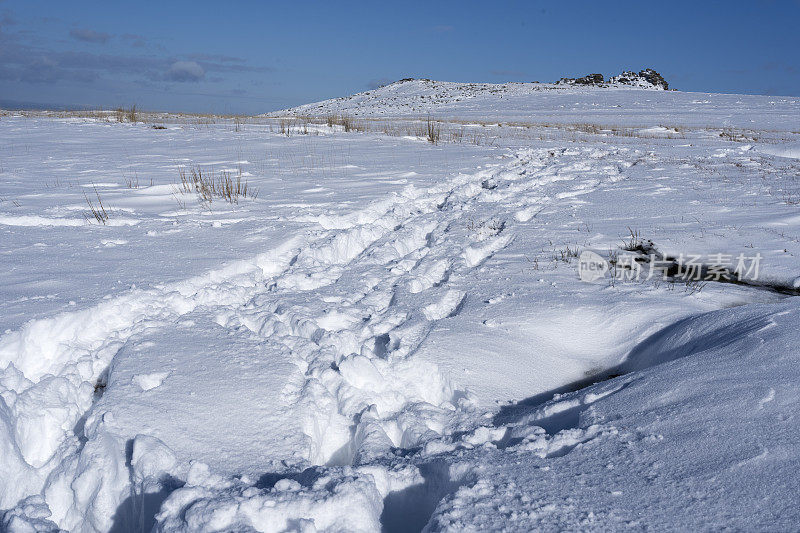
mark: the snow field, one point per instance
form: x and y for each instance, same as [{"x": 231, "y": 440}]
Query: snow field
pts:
[{"x": 395, "y": 338}]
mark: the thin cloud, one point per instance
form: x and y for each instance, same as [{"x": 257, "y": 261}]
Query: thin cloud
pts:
[
  {"x": 186, "y": 71},
  {"x": 90, "y": 36},
  {"x": 215, "y": 57},
  {"x": 141, "y": 66},
  {"x": 779, "y": 66},
  {"x": 36, "y": 64},
  {"x": 7, "y": 19},
  {"x": 216, "y": 66},
  {"x": 136, "y": 41}
]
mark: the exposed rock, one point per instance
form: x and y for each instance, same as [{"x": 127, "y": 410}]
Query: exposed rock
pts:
[
  {"x": 589, "y": 79},
  {"x": 404, "y": 80},
  {"x": 647, "y": 78}
]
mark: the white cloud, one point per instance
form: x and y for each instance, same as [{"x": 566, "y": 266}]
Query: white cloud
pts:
[{"x": 186, "y": 71}]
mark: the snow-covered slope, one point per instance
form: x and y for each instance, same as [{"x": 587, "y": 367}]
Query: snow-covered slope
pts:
[
  {"x": 612, "y": 105},
  {"x": 704, "y": 440},
  {"x": 392, "y": 334}
]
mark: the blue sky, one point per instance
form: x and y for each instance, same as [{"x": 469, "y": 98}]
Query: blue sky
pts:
[{"x": 252, "y": 57}]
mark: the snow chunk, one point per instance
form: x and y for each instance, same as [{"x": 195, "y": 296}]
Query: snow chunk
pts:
[
  {"x": 350, "y": 502},
  {"x": 475, "y": 255},
  {"x": 30, "y": 516},
  {"x": 150, "y": 381},
  {"x": 446, "y": 307}
]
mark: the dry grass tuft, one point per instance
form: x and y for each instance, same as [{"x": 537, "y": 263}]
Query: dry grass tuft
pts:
[
  {"x": 208, "y": 186},
  {"x": 98, "y": 212},
  {"x": 433, "y": 130},
  {"x": 127, "y": 115},
  {"x": 347, "y": 123}
]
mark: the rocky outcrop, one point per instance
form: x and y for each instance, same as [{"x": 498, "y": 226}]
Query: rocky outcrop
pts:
[
  {"x": 589, "y": 79},
  {"x": 647, "y": 79}
]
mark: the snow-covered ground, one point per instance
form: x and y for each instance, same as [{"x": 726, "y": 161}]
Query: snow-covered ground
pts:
[
  {"x": 390, "y": 334},
  {"x": 542, "y": 103}
]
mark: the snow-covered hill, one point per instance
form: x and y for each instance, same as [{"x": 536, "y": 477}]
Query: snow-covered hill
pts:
[
  {"x": 392, "y": 334},
  {"x": 614, "y": 104},
  {"x": 419, "y": 96}
]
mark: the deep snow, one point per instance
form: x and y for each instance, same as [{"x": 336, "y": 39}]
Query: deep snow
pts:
[{"x": 392, "y": 334}]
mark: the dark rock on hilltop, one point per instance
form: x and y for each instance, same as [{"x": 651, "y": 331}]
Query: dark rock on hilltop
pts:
[
  {"x": 647, "y": 78},
  {"x": 643, "y": 78},
  {"x": 589, "y": 79},
  {"x": 654, "y": 78}
]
